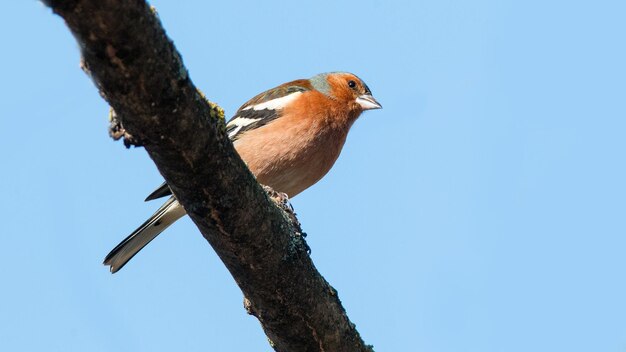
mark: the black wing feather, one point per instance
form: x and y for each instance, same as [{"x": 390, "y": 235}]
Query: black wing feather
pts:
[
  {"x": 162, "y": 191},
  {"x": 263, "y": 117}
]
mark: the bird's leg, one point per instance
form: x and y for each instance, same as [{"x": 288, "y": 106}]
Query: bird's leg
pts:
[{"x": 282, "y": 200}]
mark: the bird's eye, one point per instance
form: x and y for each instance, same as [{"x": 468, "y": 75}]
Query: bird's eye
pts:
[{"x": 351, "y": 84}]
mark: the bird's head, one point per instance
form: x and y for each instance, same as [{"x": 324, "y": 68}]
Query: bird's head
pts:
[{"x": 346, "y": 88}]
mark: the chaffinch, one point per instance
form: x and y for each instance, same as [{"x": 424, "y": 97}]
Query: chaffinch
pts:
[{"x": 289, "y": 136}]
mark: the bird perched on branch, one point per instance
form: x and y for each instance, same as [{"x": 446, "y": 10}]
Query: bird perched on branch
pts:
[{"x": 289, "y": 136}]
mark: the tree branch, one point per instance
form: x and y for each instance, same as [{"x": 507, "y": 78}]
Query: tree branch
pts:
[{"x": 139, "y": 72}]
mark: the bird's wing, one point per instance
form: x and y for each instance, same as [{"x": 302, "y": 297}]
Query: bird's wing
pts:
[
  {"x": 264, "y": 108},
  {"x": 162, "y": 191},
  {"x": 256, "y": 112}
]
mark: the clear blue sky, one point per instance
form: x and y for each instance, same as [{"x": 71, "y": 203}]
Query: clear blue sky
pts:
[{"x": 483, "y": 209}]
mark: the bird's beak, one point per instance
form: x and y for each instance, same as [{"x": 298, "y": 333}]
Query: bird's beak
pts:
[{"x": 368, "y": 102}]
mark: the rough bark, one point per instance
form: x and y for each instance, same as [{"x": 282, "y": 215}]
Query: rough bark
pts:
[{"x": 141, "y": 75}]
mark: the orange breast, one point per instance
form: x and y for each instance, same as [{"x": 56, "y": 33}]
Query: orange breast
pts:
[{"x": 293, "y": 152}]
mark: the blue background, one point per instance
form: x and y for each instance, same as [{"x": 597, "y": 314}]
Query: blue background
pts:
[{"x": 483, "y": 209}]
